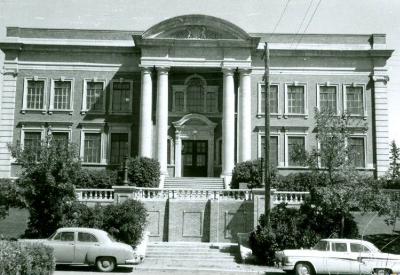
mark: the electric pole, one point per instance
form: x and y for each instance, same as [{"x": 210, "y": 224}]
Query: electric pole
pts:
[{"x": 267, "y": 178}]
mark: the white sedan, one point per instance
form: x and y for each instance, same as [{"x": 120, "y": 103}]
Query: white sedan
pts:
[
  {"x": 77, "y": 245},
  {"x": 339, "y": 256}
]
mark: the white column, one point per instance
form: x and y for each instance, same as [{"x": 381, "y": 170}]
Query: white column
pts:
[
  {"x": 244, "y": 131},
  {"x": 228, "y": 126},
  {"x": 146, "y": 124},
  {"x": 162, "y": 120},
  {"x": 381, "y": 124},
  {"x": 178, "y": 154}
]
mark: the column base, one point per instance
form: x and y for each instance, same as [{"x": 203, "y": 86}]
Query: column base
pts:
[{"x": 227, "y": 180}]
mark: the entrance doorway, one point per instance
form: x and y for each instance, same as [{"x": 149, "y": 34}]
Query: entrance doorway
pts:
[{"x": 194, "y": 158}]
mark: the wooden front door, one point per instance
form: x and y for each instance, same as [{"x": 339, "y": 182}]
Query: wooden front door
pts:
[{"x": 194, "y": 158}]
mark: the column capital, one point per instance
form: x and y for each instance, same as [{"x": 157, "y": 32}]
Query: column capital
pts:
[
  {"x": 163, "y": 69},
  {"x": 146, "y": 69},
  {"x": 380, "y": 78},
  {"x": 245, "y": 71},
  {"x": 228, "y": 70}
]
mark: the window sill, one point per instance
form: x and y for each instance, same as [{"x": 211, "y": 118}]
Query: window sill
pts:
[
  {"x": 364, "y": 117},
  {"x": 261, "y": 115},
  {"x": 43, "y": 111},
  {"x": 89, "y": 112},
  {"x": 305, "y": 116},
  {"x": 70, "y": 111},
  {"x": 128, "y": 113}
]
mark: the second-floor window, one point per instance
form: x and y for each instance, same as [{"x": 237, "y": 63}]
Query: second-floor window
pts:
[
  {"x": 357, "y": 151},
  {"x": 121, "y": 97},
  {"x": 273, "y": 99},
  {"x": 62, "y": 95},
  {"x": 94, "y": 96},
  {"x": 328, "y": 99},
  {"x": 295, "y": 99},
  {"x": 294, "y": 145},
  {"x": 355, "y": 100},
  {"x": 35, "y": 95},
  {"x": 195, "y": 96}
]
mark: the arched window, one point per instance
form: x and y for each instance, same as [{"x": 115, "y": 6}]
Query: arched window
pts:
[{"x": 195, "y": 96}]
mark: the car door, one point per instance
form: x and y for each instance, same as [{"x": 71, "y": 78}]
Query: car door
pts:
[
  {"x": 85, "y": 243},
  {"x": 337, "y": 260},
  {"x": 63, "y": 244},
  {"x": 361, "y": 259}
]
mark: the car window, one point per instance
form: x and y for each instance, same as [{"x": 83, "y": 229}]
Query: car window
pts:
[
  {"x": 86, "y": 237},
  {"x": 339, "y": 247},
  {"x": 322, "y": 246},
  {"x": 355, "y": 247},
  {"x": 65, "y": 237}
]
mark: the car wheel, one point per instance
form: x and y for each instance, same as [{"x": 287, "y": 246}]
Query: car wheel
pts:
[
  {"x": 304, "y": 269},
  {"x": 105, "y": 264}
]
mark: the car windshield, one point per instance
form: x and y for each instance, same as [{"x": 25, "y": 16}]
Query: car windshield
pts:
[
  {"x": 51, "y": 236},
  {"x": 321, "y": 246}
]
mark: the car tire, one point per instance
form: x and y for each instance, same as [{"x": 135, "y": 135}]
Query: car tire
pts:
[
  {"x": 105, "y": 264},
  {"x": 304, "y": 269}
]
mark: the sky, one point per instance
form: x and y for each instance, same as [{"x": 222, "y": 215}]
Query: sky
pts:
[{"x": 279, "y": 16}]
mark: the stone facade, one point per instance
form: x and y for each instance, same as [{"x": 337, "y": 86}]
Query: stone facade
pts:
[{"x": 188, "y": 92}]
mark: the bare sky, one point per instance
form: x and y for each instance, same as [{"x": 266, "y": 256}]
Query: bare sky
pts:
[{"x": 331, "y": 16}]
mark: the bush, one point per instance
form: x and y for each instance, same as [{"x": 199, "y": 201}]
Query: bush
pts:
[
  {"x": 90, "y": 178},
  {"x": 297, "y": 181},
  {"x": 143, "y": 172},
  {"x": 263, "y": 244},
  {"x": 9, "y": 196},
  {"x": 248, "y": 172},
  {"x": 26, "y": 258},
  {"x": 125, "y": 221}
]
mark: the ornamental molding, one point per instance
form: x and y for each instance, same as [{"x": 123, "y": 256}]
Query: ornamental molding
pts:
[{"x": 381, "y": 78}]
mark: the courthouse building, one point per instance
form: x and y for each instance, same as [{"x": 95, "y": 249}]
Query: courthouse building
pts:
[{"x": 188, "y": 92}]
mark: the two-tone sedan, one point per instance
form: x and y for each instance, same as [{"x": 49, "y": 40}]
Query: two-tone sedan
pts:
[
  {"x": 77, "y": 245},
  {"x": 339, "y": 256}
]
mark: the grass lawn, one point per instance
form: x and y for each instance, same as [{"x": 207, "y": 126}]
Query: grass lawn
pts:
[{"x": 14, "y": 224}]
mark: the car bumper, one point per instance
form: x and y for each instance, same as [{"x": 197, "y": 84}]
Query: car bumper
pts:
[
  {"x": 133, "y": 261},
  {"x": 287, "y": 267}
]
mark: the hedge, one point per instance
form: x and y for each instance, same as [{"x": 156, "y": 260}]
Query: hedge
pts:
[
  {"x": 23, "y": 258},
  {"x": 92, "y": 178},
  {"x": 143, "y": 172}
]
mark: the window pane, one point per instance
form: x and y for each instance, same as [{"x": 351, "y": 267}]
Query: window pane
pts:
[
  {"x": 62, "y": 95},
  {"x": 121, "y": 96},
  {"x": 294, "y": 144},
  {"x": 355, "y": 247},
  {"x": 92, "y": 147},
  {"x": 296, "y": 99},
  {"x": 273, "y": 150},
  {"x": 35, "y": 95},
  {"x": 60, "y": 137},
  {"x": 119, "y": 147},
  {"x": 195, "y": 96},
  {"x": 327, "y": 96},
  {"x": 339, "y": 247},
  {"x": 179, "y": 101},
  {"x": 32, "y": 142},
  {"x": 273, "y": 99},
  {"x": 357, "y": 151},
  {"x": 86, "y": 237},
  {"x": 354, "y": 100},
  {"x": 94, "y": 96},
  {"x": 67, "y": 236},
  {"x": 211, "y": 102}
]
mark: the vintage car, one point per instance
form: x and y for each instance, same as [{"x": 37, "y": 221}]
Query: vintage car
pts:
[
  {"x": 339, "y": 256},
  {"x": 77, "y": 245}
]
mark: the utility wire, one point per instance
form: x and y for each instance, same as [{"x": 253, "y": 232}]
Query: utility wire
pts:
[
  {"x": 309, "y": 22},
  {"x": 302, "y": 22},
  {"x": 282, "y": 14}
]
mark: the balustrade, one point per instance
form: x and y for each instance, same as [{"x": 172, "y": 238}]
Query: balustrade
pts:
[{"x": 95, "y": 195}]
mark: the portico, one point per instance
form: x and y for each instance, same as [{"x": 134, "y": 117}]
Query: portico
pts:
[{"x": 196, "y": 42}]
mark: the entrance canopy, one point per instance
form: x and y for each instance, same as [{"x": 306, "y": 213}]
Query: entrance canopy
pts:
[{"x": 196, "y": 41}]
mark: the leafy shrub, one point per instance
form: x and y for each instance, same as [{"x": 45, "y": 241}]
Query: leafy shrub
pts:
[
  {"x": 91, "y": 178},
  {"x": 125, "y": 221},
  {"x": 263, "y": 243},
  {"x": 26, "y": 258},
  {"x": 9, "y": 196},
  {"x": 248, "y": 172},
  {"x": 298, "y": 181},
  {"x": 143, "y": 172}
]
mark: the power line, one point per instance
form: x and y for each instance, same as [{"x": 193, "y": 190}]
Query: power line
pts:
[
  {"x": 309, "y": 22},
  {"x": 302, "y": 22},
  {"x": 282, "y": 14}
]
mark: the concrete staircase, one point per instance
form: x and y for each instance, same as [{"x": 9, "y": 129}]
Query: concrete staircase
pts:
[
  {"x": 194, "y": 183},
  {"x": 196, "y": 257}
]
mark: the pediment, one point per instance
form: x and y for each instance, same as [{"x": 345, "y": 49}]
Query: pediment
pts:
[{"x": 195, "y": 27}]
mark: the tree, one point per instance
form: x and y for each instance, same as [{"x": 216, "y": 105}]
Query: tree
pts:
[
  {"x": 143, "y": 172},
  {"x": 394, "y": 166},
  {"x": 46, "y": 183},
  {"x": 342, "y": 188}
]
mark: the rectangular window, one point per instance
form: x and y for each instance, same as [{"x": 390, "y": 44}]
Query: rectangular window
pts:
[
  {"x": 294, "y": 145},
  {"x": 273, "y": 99},
  {"x": 354, "y": 100},
  {"x": 60, "y": 137},
  {"x": 121, "y": 96},
  {"x": 119, "y": 147},
  {"x": 92, "y": 148},
  {"x": 179, "y": 101},
  {"x": 211, "y": 102},
  {"x": 35, "y": 95},
  {"x": 296, "y": 104},
  {"x": 62, "y": 95},
  {"x": 273, "y": 150},
  {"x": 94, "y": 96},
  {"x": 357, "y": 151},
  {"x": 32, "y": 141},
  {"x": 327, "y": 99}
]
